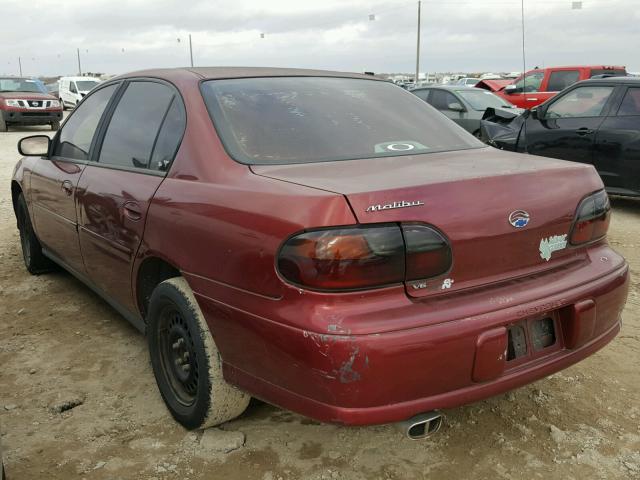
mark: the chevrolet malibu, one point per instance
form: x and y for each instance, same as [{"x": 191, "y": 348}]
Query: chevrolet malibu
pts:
[{"x": 324, "y": 241}]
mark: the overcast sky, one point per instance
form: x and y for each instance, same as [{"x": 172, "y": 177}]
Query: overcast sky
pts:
[{"x": 457, "y": 35}]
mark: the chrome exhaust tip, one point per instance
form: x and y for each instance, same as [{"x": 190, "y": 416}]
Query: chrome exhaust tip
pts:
[{"x": 422, "y": 425}]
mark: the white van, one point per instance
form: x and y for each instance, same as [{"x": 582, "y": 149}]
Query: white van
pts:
[{"x": 72, "y": 89}]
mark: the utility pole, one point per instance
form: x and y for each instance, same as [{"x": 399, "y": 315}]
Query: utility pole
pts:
[
  {"x": 415, "y": 82},
  {"x": 190, "y": 50},
  {"x": 20, "y": 65},
  {"x": 79, "y": 66}
]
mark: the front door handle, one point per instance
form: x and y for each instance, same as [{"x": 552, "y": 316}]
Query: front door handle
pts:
[
  {"x": 67, "y": 187},
  {"x": 132, "y": 211},
  {"x": 584, "y": 131}
]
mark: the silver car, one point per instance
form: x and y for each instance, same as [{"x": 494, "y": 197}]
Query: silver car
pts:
[{"x": 464, "y": 105}]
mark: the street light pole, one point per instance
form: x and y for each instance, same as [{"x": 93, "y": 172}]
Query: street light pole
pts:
[
  {"x": 20, "y": 65},
  {"x": 190, "y": 50},
  {"x": 415, "y": 82},
  {"x": 79, "y": 66}
]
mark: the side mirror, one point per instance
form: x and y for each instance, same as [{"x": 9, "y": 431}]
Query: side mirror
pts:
[
  {"x": 510, "y": 89},
  {"x": 34, "y": 146},
  {"x": 456, "y": 107}
]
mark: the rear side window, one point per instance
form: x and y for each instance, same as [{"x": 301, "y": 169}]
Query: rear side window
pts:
[
  {"x": 77, "y": 133},
  {"x": 135, "y": 123},
  {"x": 630, "y": 103},
  {"x": 561, "y": 79},
  {"x": 312, "y": 119},
  {"x": 441, "y": 99},
  {"x": 169, "y": 137},
  {"x": 423, "y": 94}
]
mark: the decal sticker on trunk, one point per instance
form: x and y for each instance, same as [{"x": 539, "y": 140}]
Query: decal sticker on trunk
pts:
[{"x": 552, "y": 244}]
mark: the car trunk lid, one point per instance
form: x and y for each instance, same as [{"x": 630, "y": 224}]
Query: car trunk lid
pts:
[{"x": 469, "y": 196}]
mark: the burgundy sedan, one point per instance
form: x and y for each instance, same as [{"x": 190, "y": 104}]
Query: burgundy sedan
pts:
[{"x": 324, "y": 241}]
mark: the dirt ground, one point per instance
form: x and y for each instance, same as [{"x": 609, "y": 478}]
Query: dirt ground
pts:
[{"x": 61, "y": 345}]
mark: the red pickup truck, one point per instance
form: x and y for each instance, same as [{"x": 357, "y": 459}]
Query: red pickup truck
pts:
[{"x": 540, "y": 84}]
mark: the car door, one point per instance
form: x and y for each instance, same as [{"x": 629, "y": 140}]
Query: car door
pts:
[
  {"x": 617, "y": 145},
  {"x": 53, "y": 181},
  {"x": 136, "y": 147},
  {"x": 566, "y": 127}
]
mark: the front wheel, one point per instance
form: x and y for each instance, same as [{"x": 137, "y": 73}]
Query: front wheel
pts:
[
  {"x": 186, "y": 361},
  {"x": 55, "y": 126},
  {"x": 3, "y": 125}
]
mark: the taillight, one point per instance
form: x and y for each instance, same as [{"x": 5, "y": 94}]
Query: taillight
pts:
[
  {"x": 592, "y": 219},
  {"x": 428, "y": 252},
  {"x": 355, "y": 258}
]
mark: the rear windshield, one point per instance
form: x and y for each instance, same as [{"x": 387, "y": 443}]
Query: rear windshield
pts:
[{"x": 280, "y": 120}]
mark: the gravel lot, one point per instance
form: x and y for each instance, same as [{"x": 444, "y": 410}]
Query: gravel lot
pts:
[{"x": 78, "y": 400}]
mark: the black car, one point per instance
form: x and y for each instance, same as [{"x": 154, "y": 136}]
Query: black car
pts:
[{"x": 596, "y": 121}]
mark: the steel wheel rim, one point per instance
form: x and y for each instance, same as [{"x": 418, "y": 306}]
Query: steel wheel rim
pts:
[{"x": 177, "y": 356}]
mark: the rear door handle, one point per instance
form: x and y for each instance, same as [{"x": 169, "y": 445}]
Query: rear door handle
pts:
[
  {"x": 584, "y": 131},
  {"x": 67, "y": 187},
  {"x": 132, "y": 210}
]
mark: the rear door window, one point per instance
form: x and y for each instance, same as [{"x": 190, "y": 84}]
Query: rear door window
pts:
[
  {"x": 77, "y": 133},
  {"x": 134, "y": 126},
  {"x": 561, "y": 79},
  {"x": 630, "y": 105},
  {"x": 441, "y": 99},
  {"x": 423, "y": 94},
  {"x": 582, "y": 102}
]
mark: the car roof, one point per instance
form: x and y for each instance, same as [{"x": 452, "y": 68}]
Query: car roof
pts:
[
  {"x": 76, "y": 78},
  {"x": 212, "y": 73},
  {"x": 448, "y": 87},
  {"x": 616, "y": 80}
]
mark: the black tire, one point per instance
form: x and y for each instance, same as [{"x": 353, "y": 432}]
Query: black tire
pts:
[
  {"x": 34, "y": 259},
  {"x": 478, "y": 134},
  {"x": 55, "y": 126},
  {"x": 3, "y": 125},
  {"x": 186, "y": 361}
]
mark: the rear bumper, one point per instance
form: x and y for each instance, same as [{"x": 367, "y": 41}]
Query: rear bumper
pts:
[
  {"x": 31, "y": 117},
  {"x": 390, "y": 376}
]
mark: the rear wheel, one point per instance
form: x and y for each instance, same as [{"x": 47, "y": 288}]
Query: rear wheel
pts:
[
  {"x": 34, "y": 259},
  {"x": 186, "y": 361}
]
